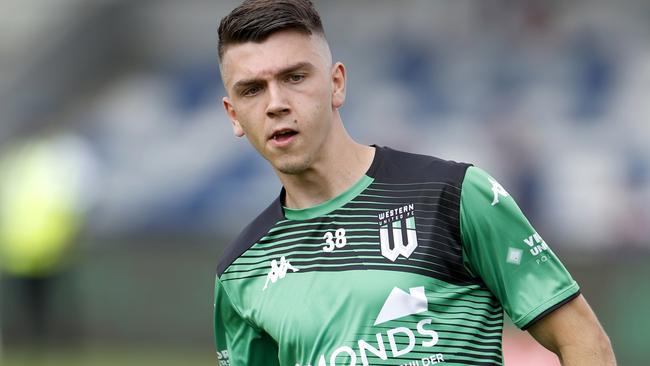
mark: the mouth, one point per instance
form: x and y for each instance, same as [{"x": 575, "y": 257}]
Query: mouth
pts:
[{"x": 283, "y": 135}]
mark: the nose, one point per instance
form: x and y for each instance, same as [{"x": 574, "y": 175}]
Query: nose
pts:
[{"x": 278, "y": 105}]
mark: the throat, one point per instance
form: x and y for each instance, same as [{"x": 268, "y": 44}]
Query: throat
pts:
[{"x": 322, "y": 182}]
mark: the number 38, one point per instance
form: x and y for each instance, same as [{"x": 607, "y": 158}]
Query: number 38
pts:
[{"x": 336, "y": 240}]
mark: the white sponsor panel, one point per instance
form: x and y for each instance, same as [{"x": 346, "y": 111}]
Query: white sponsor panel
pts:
[
  {"x": 400, "y": 303},
  {"x": 395, "y": 342},
  {"x": 395, "y": 338}
]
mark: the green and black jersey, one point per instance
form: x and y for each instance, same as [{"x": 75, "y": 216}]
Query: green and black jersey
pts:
[{"x": 413, "y": 265}]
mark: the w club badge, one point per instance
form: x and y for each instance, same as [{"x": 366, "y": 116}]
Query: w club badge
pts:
[{"x": 397, "y": 232}]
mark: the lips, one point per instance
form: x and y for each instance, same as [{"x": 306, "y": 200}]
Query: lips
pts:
[
  {"x": 283, "y": 134},
  {"x": 282, "y": 137}
]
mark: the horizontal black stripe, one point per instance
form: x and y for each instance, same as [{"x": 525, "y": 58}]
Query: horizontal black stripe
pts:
[
  {"x": 428, "y": 252},
  {"x": 326, "y": 224},
  {"x": 270, "y": 253},
  {"x": 483, "y": 337},
  {"x": 487, "y": 359},
  {"x": 421, "y": 215},
  {"x": 449, "y": 259},
  {"x": 439, "y": 228},
  {"x": 482, "y": 314},
  {"x": 480, "y": 331},
  {"x": 493, "y": 310},
  {"x": 351, "y": 250},
  {"x": 352, "y": 253},
  {"x": 424, "y": 235},
  {"x": 441, "y": 269},
  {"x": 341, "y": 216},
  {"x": 478, "y": 338},
  {"x": 475, "y": 347},
  {"x": 420, "y": 207},
  {"x": 408, "y": 196},
  {"x": 480, "y": 292},
  {"x": 382, "y": 185},
  {"x": 436, "y": 201},
  {"x": 484, "y": 322},
  {"x": 422, "y": 271},
  {"x": 361, "y": 231}
]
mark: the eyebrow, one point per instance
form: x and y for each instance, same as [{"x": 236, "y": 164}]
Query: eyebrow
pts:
[{"x": 240, "y": 84}]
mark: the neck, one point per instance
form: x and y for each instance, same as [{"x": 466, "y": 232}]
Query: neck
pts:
[{"x": 337, "y": 168}]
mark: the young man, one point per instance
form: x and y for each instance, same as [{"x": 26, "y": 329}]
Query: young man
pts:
[{"x": 370, "y": 255}]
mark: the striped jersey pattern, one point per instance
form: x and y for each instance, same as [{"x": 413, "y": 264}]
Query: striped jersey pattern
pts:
[{"x": 382, "y": 274}]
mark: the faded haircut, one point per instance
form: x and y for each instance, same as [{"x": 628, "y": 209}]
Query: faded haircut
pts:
[{"x": 256, "y": 20}]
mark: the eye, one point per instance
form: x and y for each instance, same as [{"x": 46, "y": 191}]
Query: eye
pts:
[
  {"x": 295, "y": 78},
  {"x": 252, "y": 91}
]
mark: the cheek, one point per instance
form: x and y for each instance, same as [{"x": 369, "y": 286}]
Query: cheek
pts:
[
  {"x": 251, "y": 118},
  {"x": 254, "y": 133},
  {"x": 320, "y": 101}
]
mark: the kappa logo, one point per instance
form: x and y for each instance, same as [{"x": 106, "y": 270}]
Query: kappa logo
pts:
[
  {"x": 278, "y": 271},
  {"x": 498, "y": 190},
  {"x": 397, "y": 233}
]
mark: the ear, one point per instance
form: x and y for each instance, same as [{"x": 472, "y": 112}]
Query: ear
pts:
[
  {"x": 338, "y": 85},
  {"x": 232, "y": 114}
]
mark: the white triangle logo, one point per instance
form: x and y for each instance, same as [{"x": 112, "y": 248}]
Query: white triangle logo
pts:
[{"x": 400, "y": 304}]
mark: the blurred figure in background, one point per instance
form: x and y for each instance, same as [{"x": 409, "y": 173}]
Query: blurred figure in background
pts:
[{"x": 41, "y": 213}]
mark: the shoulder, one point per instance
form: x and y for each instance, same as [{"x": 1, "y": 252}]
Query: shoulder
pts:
[
  {"x": 251, "y": 234},
  {"x": 398, "y": 166}
]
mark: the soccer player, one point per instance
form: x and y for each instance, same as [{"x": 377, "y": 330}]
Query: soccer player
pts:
[{"x": 370, "y": 256}]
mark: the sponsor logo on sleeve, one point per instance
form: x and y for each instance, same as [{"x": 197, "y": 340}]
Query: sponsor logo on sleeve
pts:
[
  {"x": 536, "y": 244},
  {"x": 536, "y": 247},
  {"x": 514, "y": 255}
]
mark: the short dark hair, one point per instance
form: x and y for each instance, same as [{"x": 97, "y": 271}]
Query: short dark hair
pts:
[{"x": 256, "y": 20}]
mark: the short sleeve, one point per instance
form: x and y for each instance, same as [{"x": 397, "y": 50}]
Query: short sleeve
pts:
[
  {"x": 238, "y": 343},
  {"x": 512, "y": 259}
]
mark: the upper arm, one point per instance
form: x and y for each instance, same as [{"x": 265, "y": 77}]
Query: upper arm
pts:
[
  {"x": 574, "y": 334},
  {"x": 502, "y": 248}
]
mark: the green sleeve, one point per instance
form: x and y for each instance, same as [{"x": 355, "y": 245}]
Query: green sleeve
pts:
[
  {"x": 238, "y": 342},
  {"x": 501, "y": 247}
]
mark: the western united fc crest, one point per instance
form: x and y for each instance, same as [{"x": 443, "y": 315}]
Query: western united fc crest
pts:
[{"x": 397, "y": 232}]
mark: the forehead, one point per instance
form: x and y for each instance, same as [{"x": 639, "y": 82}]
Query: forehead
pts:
[{"x": 264, "y": 59}]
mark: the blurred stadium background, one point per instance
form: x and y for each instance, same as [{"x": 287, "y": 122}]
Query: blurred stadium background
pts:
[{"x": 122, "y": 180}]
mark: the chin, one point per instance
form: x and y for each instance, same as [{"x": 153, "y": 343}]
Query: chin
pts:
[{"x": 294, "y": 166}]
